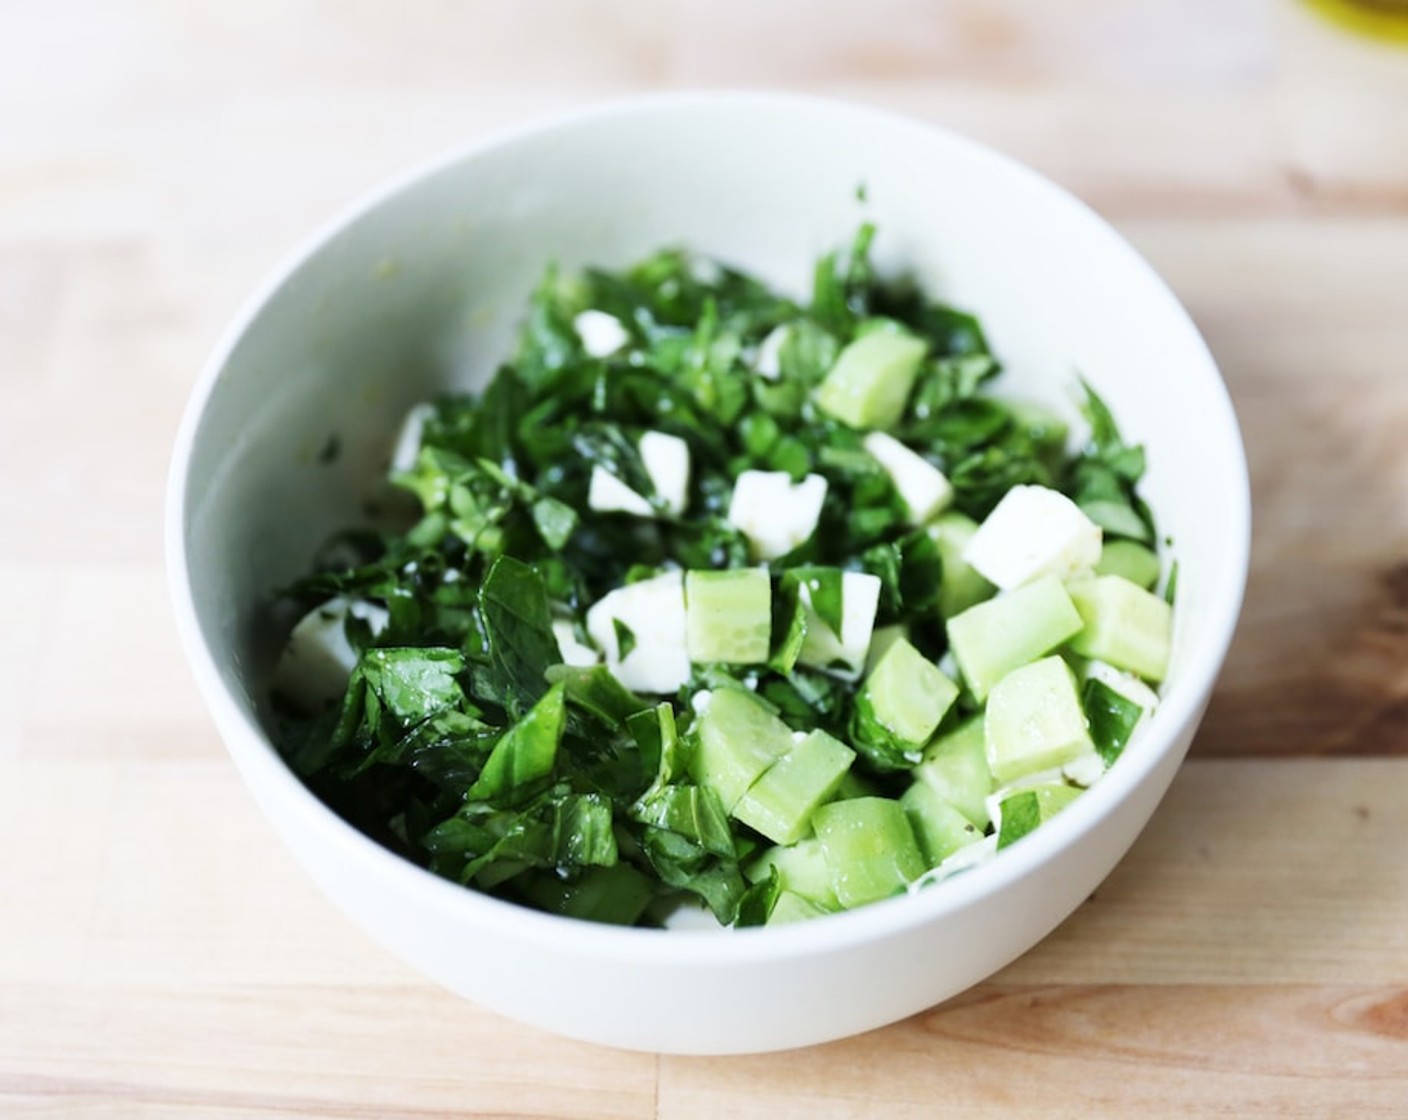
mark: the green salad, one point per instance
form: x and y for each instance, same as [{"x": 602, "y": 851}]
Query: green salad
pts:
[{"x": 715, "y": 599}]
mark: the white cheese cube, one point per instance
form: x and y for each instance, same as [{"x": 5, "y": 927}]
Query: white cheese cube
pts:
[
  {"x": 843, "y": 655},
  {"x": 608, "y": 494},
  {"x": 318, "y": 658},
  {"x": 408, "y": 438},
  {"x": 653, "y": 611},
  {"x": 573, "y": 652},
  {"x": 924, "y": 489},
  {"x": 1033, "y": 531},
  {"x": 706, "y": 271},
  {"x": 601, "y": 334},
  {"x": 666, "y": 461},
  {"x": 775, "y": 514},
  {"x": 768, "y": 362}
]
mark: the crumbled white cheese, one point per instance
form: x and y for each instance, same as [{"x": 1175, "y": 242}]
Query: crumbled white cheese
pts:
[
  {"x": 842, "y": 654},
  {"x": 1125, "y": 684},
  {"x": 318, "y": 658},
  {"x": 666, "y": 461},
  {"x": 608, "y": 494},
  {"x": 408, "y": 438},
  {"x": 1033, "y": 531},
  {"x": 573, "y": 652},
  {"x": 924, "y": 489},
  {"x": 965, "y": 859},
  {"x": 601, "y": 334},
  {"x": 768, "y": 361},
  {"x": 653, "y": 611},
  {"x": 773, "y": 512}
]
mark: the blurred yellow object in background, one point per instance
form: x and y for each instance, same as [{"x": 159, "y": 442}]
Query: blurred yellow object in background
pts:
[{"x": 1382, "y": 19}]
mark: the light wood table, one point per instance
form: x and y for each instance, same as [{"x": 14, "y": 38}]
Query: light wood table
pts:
[{"x": 159, "y": 953}]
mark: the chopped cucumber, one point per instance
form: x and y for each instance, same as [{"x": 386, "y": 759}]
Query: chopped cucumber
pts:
[
  {"x": 870, "y": 382},
  {"x": 803, "y": 870},
  {"x": 738, "y": 739},
  {"x": 881, "y": 640},
  {"x": 939, "y": 827},
  {"x": 714, "y": 534},
  {"x": 955, "y": 766},
  {"x": 961, "y": 585},
  {"x": 1034, "y": 721},
  {"x": 728, "y": 616},
  {"x": 1025, "y": 809},
  {"x": 780, "y": 803},
  {"x": 1047, "y": 429},
  {"x": 791, "y": 907},
  {"x": 908, "y": 694},
  {"x": 993, "y": 638},
  {"x": 1123, "y": 624},
  {"x": 854, "y": 785},
  {"x": 1129, "y": 559},
  {"x": 869, "y": 847}
]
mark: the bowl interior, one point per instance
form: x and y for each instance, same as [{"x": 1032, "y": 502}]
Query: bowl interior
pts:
[{"x": 420, "y": 291}]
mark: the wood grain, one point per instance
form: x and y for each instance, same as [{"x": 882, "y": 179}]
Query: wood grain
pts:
[
  {"x": 160, "y": 955},
  {"x": 1237, "y": 967}
]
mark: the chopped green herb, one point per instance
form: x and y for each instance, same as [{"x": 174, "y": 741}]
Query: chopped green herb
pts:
[{"x": 601, "y": 672}]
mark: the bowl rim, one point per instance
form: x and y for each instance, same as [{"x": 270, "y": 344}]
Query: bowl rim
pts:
[{"x": 263, "y": 768}]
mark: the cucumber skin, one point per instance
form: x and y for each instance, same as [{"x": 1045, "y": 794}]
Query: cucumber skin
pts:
[{"x": 1030, "y": 808}]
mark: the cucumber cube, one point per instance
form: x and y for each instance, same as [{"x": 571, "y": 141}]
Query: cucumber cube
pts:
[
  {"x": 780, "y": 803},
  {"x": 802, "y": 869},
  {"x": 737, "y": 739},
  {"x": 940, "y": 828},
  {"x": 961, "y": 585},
  {"x": 869, "y": 847},
  {"x": 1025, "y": 809},
  {"x": 881, "y": 639},
  {"x": 728, "y": 616},
  {"x": 870, "y": 382},
  {"x": 855, "y": 785},
  {"x": 791, "y": 907},
  {"x": 1130, "y": 559},
  {"x": 908, "y": 694},
  {"x": 1034, "y": 721},
  {"x": 1123, "y": 624},
  {"x": 993, "y": 638},
  {"x": 955, "y": 766}
]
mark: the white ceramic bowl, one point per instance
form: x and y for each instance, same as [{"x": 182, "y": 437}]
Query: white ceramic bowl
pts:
[{"x": 418, "y": 290}]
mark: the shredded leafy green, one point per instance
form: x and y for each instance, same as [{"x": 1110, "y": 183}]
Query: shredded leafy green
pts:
[{"x": 463, "y": 741}]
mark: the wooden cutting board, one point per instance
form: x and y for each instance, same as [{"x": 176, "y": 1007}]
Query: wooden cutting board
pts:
[{"x": 159, "y": 953}]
